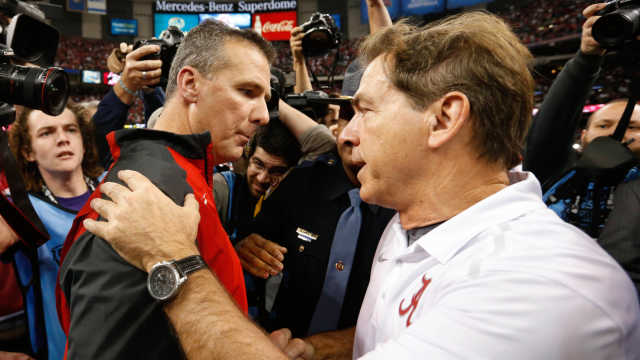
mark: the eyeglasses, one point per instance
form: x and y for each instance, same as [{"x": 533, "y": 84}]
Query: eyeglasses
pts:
[{"x": 273, "y": 171}]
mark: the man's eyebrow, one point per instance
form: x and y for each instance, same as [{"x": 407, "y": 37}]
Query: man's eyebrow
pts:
[
  {"x": 256, "y": 85},
  {"x": 49, "y": 127}
]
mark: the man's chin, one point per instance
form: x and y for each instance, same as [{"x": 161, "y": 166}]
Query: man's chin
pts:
[{"x": 227, "y": 156}]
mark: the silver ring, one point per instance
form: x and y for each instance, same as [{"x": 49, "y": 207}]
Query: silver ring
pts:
[{"x": 144, "y": 74}]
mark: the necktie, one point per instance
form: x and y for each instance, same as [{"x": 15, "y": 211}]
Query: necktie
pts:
[{"x": 327, "y": 312}]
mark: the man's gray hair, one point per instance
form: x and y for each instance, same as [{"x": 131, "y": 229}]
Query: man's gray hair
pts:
[{"x": 203, "y": 46}]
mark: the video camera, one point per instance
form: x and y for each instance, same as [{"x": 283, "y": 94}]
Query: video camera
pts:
[
  {"x": 169, "y": 41},
  {"x": 619, "y": 24},
  {"x": 26, "y": 38},
  {"x": 320, "y": 35},
  {"x": 314, "y": 104}
]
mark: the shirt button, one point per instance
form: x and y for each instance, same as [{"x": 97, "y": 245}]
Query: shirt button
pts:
[{"x": 340, "y": 265}]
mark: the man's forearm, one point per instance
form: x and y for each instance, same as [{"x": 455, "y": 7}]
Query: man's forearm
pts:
[
  {"x": 210, "y": 326},
  {"x": 303, "y": 82},
  {"x": 297, "y": 122},
  {"x": 336, "y": 345}
]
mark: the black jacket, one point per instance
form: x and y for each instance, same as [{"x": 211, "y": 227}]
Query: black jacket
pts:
[{"x": 313, "y": 198}]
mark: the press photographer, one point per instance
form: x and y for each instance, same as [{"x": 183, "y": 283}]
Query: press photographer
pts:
[
  {"x": 49, "y": 165},
  {"x": 597, "y": 190}
]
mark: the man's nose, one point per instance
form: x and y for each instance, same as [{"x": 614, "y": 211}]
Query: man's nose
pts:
[
  {"x": 350, "y": 133},
  {"x": 263, "y": 176},
  {"x": 260, "y": 115},
  {"x": 62, "y": 137}
]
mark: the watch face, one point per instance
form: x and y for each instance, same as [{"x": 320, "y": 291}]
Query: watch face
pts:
[{"x": 163, "y": 282}]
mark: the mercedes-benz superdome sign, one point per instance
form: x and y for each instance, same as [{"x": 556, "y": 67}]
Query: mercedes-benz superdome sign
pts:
[{"x": 197, "y": 7}]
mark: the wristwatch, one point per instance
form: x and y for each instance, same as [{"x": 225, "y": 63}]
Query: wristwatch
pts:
[{"x": 166, "y": 277}]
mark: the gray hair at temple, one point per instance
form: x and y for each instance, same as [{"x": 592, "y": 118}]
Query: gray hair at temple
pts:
[{"x": 203, "y": 46}]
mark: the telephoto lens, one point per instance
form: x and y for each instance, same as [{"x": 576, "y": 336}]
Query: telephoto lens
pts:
[{"x": 45, "y": 89}]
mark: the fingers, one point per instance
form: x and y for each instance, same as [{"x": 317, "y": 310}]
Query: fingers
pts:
[
  {"x": 104, "y": 208},
  {"x": 124, "y": 48},
  {"x": 296, "y": 30},
  {"x": 280, "y": 337},
  {"x": 265, "y": 251},
  {"x": 134, "y": 180},
  {"x": 253, "y": 264},
  {"x": 272, "y": 248},
  {"x": 114, "y": 191},
  {"x": 98, "y": 228},
  {"x": 593, "y": 9},
  {"x": 142, "y": 51},
  {"x": 299, "y": 349}
]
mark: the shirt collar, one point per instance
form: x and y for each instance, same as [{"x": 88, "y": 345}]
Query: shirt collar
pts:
[
  {"x": 195, "y": 147},
  {"x": 523, "y": 195}
]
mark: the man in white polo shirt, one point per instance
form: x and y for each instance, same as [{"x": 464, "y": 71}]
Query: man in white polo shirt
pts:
[{"x": 473, "y": 266}]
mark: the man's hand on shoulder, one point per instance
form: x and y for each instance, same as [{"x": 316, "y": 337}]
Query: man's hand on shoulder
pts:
[
  {"x": 260, "y": 256},
  {"x": 142, "y": 224}
]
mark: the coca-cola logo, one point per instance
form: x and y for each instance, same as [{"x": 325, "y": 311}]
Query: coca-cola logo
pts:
[{"x": 282, "y": 26}]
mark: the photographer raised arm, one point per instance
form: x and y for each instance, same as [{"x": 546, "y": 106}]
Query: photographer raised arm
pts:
[
  {"x": 551, "y": 134},
  {"x": 114, "y": 107},
  {"x": 162, "y": 230},
  {"x": 303, "y": 82}
]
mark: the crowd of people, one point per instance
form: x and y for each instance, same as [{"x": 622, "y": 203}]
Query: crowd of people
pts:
[
  {"x": 541, "y": 20},
  {"x": 418, "y": 203}
]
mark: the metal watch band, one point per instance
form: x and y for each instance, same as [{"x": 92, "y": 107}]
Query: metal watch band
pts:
[{"x": 190, "y": 264}]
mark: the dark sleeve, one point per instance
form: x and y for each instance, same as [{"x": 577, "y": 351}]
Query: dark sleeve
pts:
[
  {"x": 152, "y": 101},
  {"x": 551, "y": 134},
  {"x": 621, "y": 234},
  {"x": 111, "y": 116},
  {"x": 112, "y": 315}
]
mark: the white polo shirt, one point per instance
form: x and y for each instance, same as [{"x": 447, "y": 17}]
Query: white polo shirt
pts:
[{"x": 504, "y": 279}]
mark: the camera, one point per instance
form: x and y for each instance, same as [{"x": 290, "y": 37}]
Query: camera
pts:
[
  {"x": 320, "y": 35},
  {"x": 169, "y": 41},
  {"x": 26, "y": 38},
  {"x": 619, "y": 24},
  {"x": 314, "y": 104}
]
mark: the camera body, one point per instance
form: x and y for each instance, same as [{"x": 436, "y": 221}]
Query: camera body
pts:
[
  {"x": 320, "y": 35},
  {"x": 619, "y": 24},
  {"x": 169, "y": 42}
]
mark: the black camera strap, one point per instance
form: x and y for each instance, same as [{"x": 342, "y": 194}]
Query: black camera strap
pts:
[
  {"x": 618, "y": 134},
  {"x": 19, "y": 214}
]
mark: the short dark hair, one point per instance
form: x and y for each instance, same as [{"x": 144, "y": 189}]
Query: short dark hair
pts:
[
  {"x": 277, "y": 140},
  {"x": 203, "y": 47}
]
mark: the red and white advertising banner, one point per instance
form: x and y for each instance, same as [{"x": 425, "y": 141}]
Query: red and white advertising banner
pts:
[{"x": 274, "y": 26}]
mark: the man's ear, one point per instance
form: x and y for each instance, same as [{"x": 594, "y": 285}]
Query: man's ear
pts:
[
  {"x": 583, "y": 134},
  {"x": 447, "y": 116},
  {"x": 189, "y": 82}
]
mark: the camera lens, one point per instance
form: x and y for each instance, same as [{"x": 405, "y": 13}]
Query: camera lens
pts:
[
  {"x": 45, "y": 89},
  {"x": 614, "y": 29}
]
